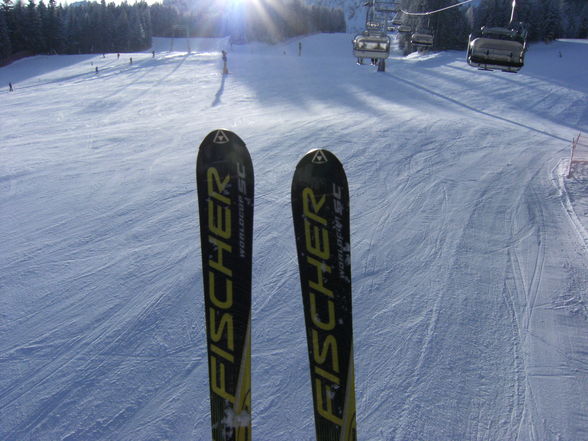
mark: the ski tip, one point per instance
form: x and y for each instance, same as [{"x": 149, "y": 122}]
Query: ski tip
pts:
[
  {"x": 319, "y": 157},
  {"x": 318, "y": 165},
  {"x": 222, "y": 146},
  {"x": 221, "y": 136}
]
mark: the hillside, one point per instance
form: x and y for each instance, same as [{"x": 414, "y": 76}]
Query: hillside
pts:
[{"x": 469, "y": 247}]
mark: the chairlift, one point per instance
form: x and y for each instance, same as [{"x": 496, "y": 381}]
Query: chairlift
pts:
[
  {"x": 375, "y": 46},
  {"x": 498, "y": 48},
  {"x": 373, "y": 25},
  {"x": 422, "y": 38}
]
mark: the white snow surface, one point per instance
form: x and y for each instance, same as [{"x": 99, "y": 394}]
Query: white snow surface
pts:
[{"x": 469, "y": 246}]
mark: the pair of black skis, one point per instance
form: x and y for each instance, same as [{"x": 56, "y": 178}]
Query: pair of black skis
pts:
[{"x": 320, "y": 210}]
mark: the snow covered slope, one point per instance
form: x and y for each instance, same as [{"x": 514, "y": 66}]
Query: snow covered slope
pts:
[{"x": 469, "y": 272}]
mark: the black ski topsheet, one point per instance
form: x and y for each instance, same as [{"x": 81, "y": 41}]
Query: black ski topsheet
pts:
[
  {"x": 320, "y": 209},
  {"x": 224, "y": 177}
]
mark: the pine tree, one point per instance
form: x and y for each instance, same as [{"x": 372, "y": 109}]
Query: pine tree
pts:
[
  {"x": 145, "y": 17},
  {"x": 121, "y": 40},
  {"x": 526, "y": 11},
  {"x": 110, "y": 28},
  {"x": 493, "y": 13},
  {"x": 72, "y": 32},
  {"x": 34, "y": 29},
  {"x": 16, "y": 28},
  {"x": 5, "y": 44},
  {"x": 583, "y": 23},
  {"x": 43, "y": 13},
  {"x": 450, "y": 27},
  {"x": 54, "y": 29},
  {"x": 574, "y": 21},
  {"x": 551, "y": 20},
  {"x": 136, "y": 31}
]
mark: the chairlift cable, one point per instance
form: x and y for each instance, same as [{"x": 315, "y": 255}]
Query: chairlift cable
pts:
[{"x": 437, "y": 10}]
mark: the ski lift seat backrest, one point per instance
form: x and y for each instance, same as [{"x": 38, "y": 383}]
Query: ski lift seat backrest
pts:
[
  {"x": 421, "y": 38},
  {"x": 495, "y": 53},
  {"x": 371, "y": 46},
  {"x": 499, "y": 33}
]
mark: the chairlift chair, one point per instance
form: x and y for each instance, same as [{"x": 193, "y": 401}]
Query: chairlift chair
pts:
[
  {"x": 497, "y": 48},
  {"x": 373, "y": 25},
  {"x": 376, "y": 46},
  {"x": 422, "y": 38}
]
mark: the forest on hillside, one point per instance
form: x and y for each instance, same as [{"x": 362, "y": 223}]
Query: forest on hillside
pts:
[{"x": 99, "y": 27}]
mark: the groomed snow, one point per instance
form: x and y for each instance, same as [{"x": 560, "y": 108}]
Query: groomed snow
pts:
[{"x": 469, "y": 255}]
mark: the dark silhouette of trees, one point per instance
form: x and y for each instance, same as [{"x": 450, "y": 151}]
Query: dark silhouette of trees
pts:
[
  {"x": 37, "y": 27},
  {"x": 83, "y": 27}
]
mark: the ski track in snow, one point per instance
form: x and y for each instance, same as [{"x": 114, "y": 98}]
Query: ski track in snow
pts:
[{"x": 469, "y": 247}]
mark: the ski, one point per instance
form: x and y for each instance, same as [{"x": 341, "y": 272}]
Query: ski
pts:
[
  {"x": 320, "y": 209},
  {"x": 224, "y": 177}
]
